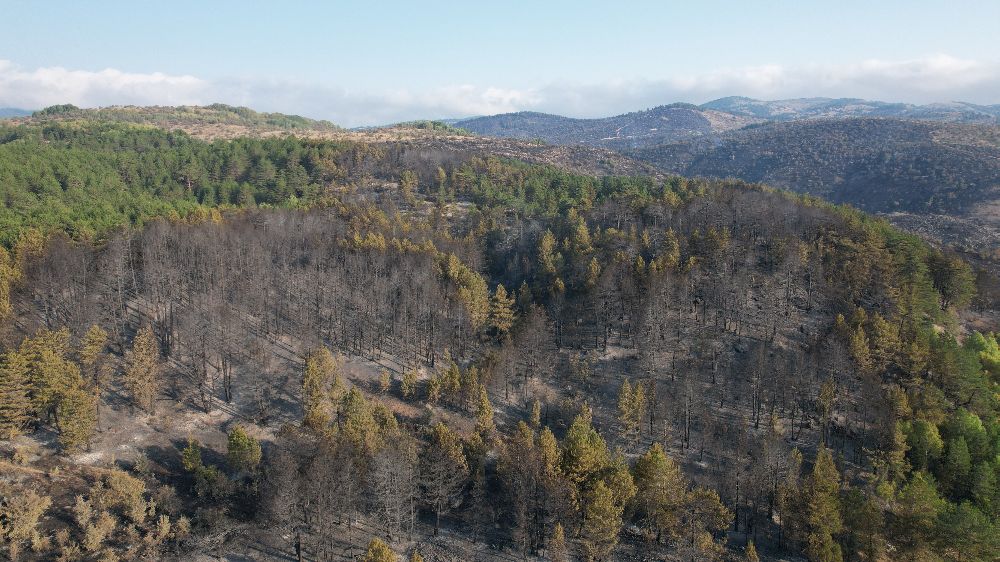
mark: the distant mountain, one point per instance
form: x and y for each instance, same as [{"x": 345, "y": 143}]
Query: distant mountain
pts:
[
  {"x": 8, "y": 112},
  {"x": 682, "y": 122},
  {"x": 667, "y": 123},
  {"x": 820, "y": 108},
  {"x": 877, "y": 164}
]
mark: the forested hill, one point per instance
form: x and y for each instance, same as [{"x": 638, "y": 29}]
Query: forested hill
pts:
[
  {"x": 432, "y": 348},
  {"x": 840, "y": 108},
  {"x": 942, "y": 180},
  {"x": 683, "y": 122},
  {"x": 662, "y": 124},
  {"x": 198, "y": 120},
  {"x": 880, "y": 165}
]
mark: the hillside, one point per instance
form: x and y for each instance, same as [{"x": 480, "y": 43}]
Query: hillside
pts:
[
  {"x": 244, "y": 348},
  {"x": 938, "y": 163},
  {"x": 880, "y": 165},
  {"x": 666, "y": 123},
  {"x": 683, "y": 122},
  {"x": 827, "y": 108},
  {"x": 197, "y": 120}
]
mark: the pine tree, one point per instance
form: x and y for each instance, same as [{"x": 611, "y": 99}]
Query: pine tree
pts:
[
  {"x": 378, "y": 551},
  {"x": 91, "y": 352},
  {"x": 584, "y": 452},
  {"x": 77, "y": 415},
  {"x": 915, "y": 514},
  {"x": 661, "y": 492},
  {"x": 864, "y": 523},
  {"x": 536, "y": 414},
  {"x": 860, "y": 350},
  {"x": 750, "y": 553},
  {"x": 15, "y": 408},
  {"x": 983, "y": 488},
  {"x": 243, "y": 452},
  {"x": 593, "y": 273},
  {"x": 631, "y": 410},
  {"x": 93, "y": 362},
  {"x": 320, "y": 384},
  {"x": 557, "y": 549},
  {"x": 384, "y": 381},
  {"x": 703, "y": 517},
  {"x": 548, "y": 259},
  {"x": 925, "y": 444},
  {"x": 191, "y": 455},
  {"x": 824, "y": 518},
  {"x": 885, "y": 343},
  {"x": 409, "y": 384},
  {"x": 443, "y": 471},
  {"x": 618, "y": 479},
  {"x": 142, "y": 369},
  {"x": 956, "y": 468},
  {"x": 484, "y": 415},
  {"x": 602, "y": 521},
  {"x": 501, "y": 311},
  {"x": 407, "y": 186}
]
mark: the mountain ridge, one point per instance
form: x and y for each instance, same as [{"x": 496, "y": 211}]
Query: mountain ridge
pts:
[{"x": 681, "y": 121}]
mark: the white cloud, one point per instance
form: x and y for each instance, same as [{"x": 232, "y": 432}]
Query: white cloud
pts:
[
  {"x": 933, "y": 78},
  {"x": 48, "y": 86}
]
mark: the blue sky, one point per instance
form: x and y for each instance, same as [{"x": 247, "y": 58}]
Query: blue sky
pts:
[{"x": 361, "y": 63}]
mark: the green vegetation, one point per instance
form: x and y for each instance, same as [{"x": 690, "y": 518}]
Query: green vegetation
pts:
[
  {"x": 215, "y": 114},
  {"x": 806, "y": 358}
]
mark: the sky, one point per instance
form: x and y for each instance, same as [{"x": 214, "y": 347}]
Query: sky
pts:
[{"x": 382, "y": 61}]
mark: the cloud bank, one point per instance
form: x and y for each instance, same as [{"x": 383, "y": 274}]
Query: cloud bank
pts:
[{"x": 923, "y": 80}]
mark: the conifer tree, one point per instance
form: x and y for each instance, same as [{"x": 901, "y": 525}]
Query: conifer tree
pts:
[
  {"x": 885, "y": 343},
  {"x": 15, "y": 408},
  {"x": 915, "y": 515},
  {"x": 77, "y": 416},
  {"x": 618, "y": 479},
  {"x": 661, "y": 489},
  {"x": 824, "y": 517},
  {"x": 409, "y": 383},
  {"x": 384, "y": 381},
  {"x": 631, "y": 410},
  {"x": 443, "y": 471},
  {"x": 593, "y": 273},
  {"x": 501, "y": 311},
  {"x": 704, "y": 516},
  {"x": 484, "y": 415},
  {"x": 407, "y": 186},
  {"x": 191, "y": 455},
  {"x": 584, "y": 452},
  {"x": 91, "y": 353},
  {"x": 320, "y": 384},
  {"x": 860, "y": 350},
  {"x": 243, "y": 452},
  {"x": 9, "y": 273},
  {"x": 602, "y": 521},
  {"x": 536, "y": 414},
  {"x": 358, "y": 421},
  {"x": 750, "y": 553},
  {"x": 956, "y": 468},
  {"x": 93, "y": 362},
  {"x": 142, "y": 369},
  {"x": 557, "y": 550}
]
